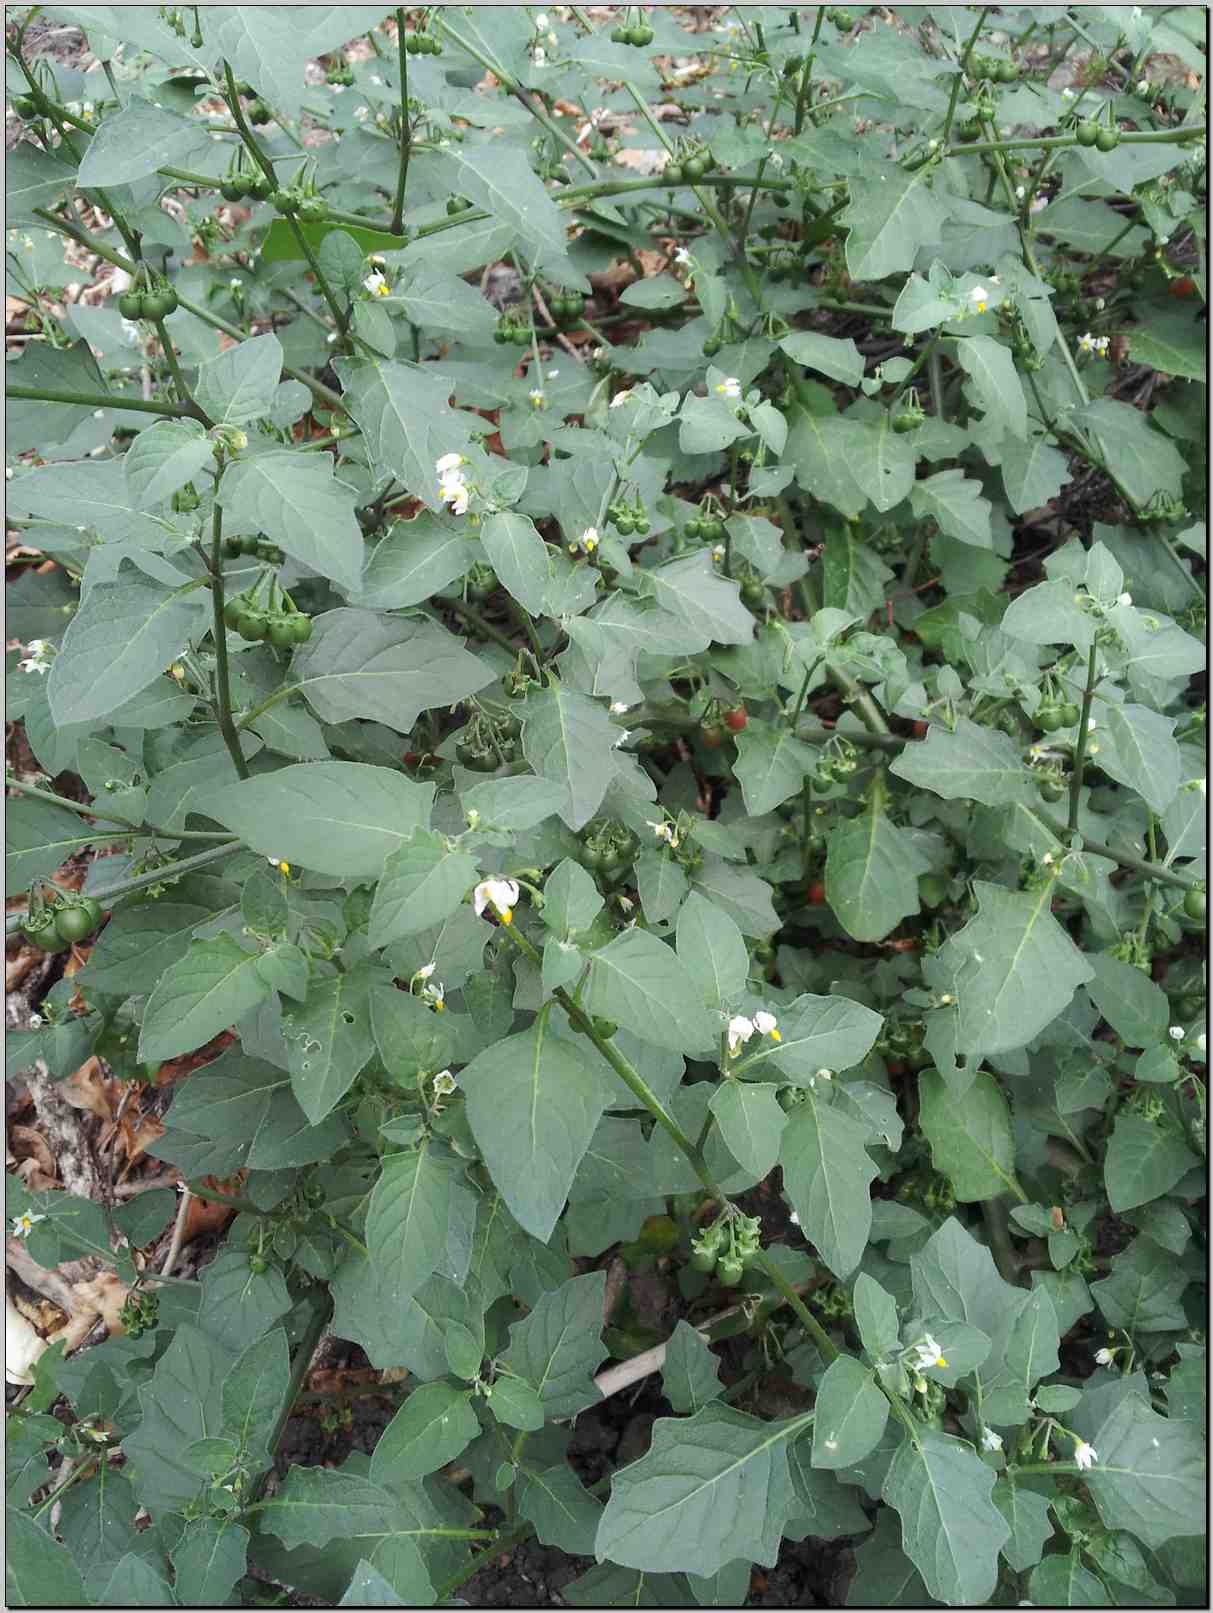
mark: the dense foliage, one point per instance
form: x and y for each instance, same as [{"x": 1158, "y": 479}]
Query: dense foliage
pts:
[{"x": 622, "y": 628}]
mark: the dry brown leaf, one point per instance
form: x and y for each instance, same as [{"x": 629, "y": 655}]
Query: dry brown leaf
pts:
[
  {"x": 29, "y": 1145},
  {"x": 87, "y": 1088},
  {"x": 101, "y": 1300}
]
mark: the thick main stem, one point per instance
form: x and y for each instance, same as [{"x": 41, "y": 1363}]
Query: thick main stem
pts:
[
  {"x": 223, "y": 687},
  {"x": 406, "y": 128},
  {"x": 1080, "y": 750}
]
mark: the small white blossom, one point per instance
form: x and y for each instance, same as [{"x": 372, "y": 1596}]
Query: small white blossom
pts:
[
  {"x": 794, "y": 1219},
  {"x": 1067, "y": 94},
  {"x": 730, "y": 387},
  {"x": 448, "y": 464},
  {"x": 24, "y": 1223},
  {"x": 453, "y": 491},
  {"x": 928, "y": 1354},
  {"x": 1200, "y": 1043},
  {"x": 434, "y": 996},
  {"x": 541, "y": 23},
  {"x": 1104, "y": 1357},
  {"x": 278, "y": 865},
  {"x": 235, "y": 284},
  {"x": 499, "y": 894},
  {"x": 739, "y": 1032},
  {"x": 1143, "y": 86},
  {"x": 682, "y": 257},
  {"x": 425, "y": 971},
  {"x": 362, "y": 113},
  {"x": 589, "y": 542},
  {"x": 1085, "y": 1455},
  {"x": 1020, "y": 193},
  {"x": 990, "y": 1441},
  {"x": 444, "y": 1084},
  {"x": 718, "y": 551},
  {"x": 766, "y": 1025},
  {"x": 831, "y": 1443},
  {"x": 35, "y": 1022},
  {"x": 537, "y": 398},
  {"x": 621, "y": 397},
  {"x": 663, "y": 831},
  {"x": 1124, "y": 599},
  {"x": 980, "y": 298},
  {"x": 39, "y": 658},
  {"x": 376, "y": 285},
  {"x": 1176, "y": 1033},
  {"x": 539, "y": 56},
  {"x": 551, "y": 375},
  {"x": 618, "y": 707},
  {"x": 824, "y": 1075}
]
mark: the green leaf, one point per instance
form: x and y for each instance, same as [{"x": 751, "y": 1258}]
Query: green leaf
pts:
[
  {"x": 571, "y": 899},
  {"x": 970, "y": 763},
  {"x": 137, "y": 140},
  {"x": 1138, "y": 749},
  {"x": 253, "y": 1393},
  {"x": 557, "y": 1346},
  {"x": 433, "y": 1426},
  {"x": 502, "y": 182},
  {"x": 854, "y": 578},
  {"x": 182, "y": 1403},
  {"x": 340, "y": 818},
  {"x": 563, "y": 1511},
  {"x": 951, "y": 1530},
  {"x": 422, "y": 884},
  {"x": 408, "y": 1216},
  {"x": 881, "y": 461},
  {"x": 329, "y": 1040},
  {"x": 215, "y": 984},
  {"x": 841, "y": 360},
  {"x": 711, "y": 1488},
  {"x": 163, "y": 458},
  {"x": 368, "y": 1588},
  {"x": 1171, "y": 344},
  {"x": 406, "y": 421},
  {"x": 872, "y": 870},
  {"x": 317, "y": 1505},
  {"x": 1143, "y": 461},
  {"x": 1027, "y": 1515},
  {"x": 707, "y": 425},
  {"x": 1033, "y": 472},
  {"x": 1012, "y": 969},
  {"x": 1028, "y": 1354},
  {"x": 638, "y": 982},
  {"x": 826, "y": 1174},
  {"x": 520, "y": 558},
  {"x": 416, "y": 560},
  {"x": 533, "y": 1104},
  {"x": 970, "y": 1135},
  {"x": 240, "y": 1305},
  {"x": 818, "y": 1033},
  {"x": 120, "y": 640},
  {"x": 141, "y": 937},
  {"x": 295, "y": 501},
  {"x": 412, "y": 1038},
  {"x": 38, "y": 1571},
  {"x": 694, "y": 592},
  {"x": 1063, "y": 1580},
  {"x": 875, "y": 1316},
  {"x": 889, "y": 218},
  {"x": 1149, "y": 1476},
  {"x": 851, "y": 1414},
  {"x": 208, "y": 1561},
  {"x": 994, "y": 384},
  {"x": 569, "y": 739},
  {"x": 771, "y": 765},
  {"x": 516, "y": 1404},
  {"x": 437, "y": 300},
  {"x": 1050, "y": 613},
  {"x": 660, "y": 883},
  {"x": 238, "y": 384},
  {"x": 713, "y": 950},
  {"x": 815, "y": 450},
  {"x": 514, "y": 803},
  {"x": 955, "y": 501},
  {"x": 690, "y": 1374},
  {"x": 38, "y": 838},
  {"x": 1144, "y": 1160},
  {"x": 751, "y": 1123}
]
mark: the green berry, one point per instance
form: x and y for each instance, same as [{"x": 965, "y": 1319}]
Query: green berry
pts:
[
  {"x": 1107, "y": 139},
  {"x": 1196, "y": 905},
  {"x": 1087, "y": 133}
]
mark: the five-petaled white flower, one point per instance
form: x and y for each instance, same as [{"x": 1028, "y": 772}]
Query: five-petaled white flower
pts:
[
  {"x": 39, "y": 658},
  {"x": 448, "y": 465},
  {"x": 425, "y": 971},
  {"x": 376, "y": 285},
  {"x": 453, "y": 491},
  {"x": 682, "y": 257},
  {"x": 1177, "y": 1033},
  {"x": 663, "y": 831},
  {"x": 730, "y": 387},
  {"x": 1104, "y": 1357},
  {"x": 589, "y": 542},
  {"x": 928, "y": 1354},
  {"x": 621, "y": 397},
  {"x": 1124, "y": 599},
  {"x": 1085, "y": 1455},
  {"x": 990, "y": 1441},
  {"x": 618, "y": 707},
  {"x": 444, "y": 1084},
  {"x": 766, "y": 1025},
  {"x": 541, "y": 23},
  {"x": 434, "y": 996},
  {"x": 739, "y": 1032},
  {"x": 499, "y": 894},
  {"x": 279, "y": 865},
  {"x": 539, "y": 56},
  {"x": 980, "y": 298},
  {"x": 24, "y": 1223},
  {"x": 537, "y": 398}
]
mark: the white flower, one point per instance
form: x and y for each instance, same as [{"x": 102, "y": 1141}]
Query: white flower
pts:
[
  {"x": 980, "y": 298},
  {"x": 1086, "y": 342},
  {"x": 552, "y": 374},
  {"x": 362, "y": 113},
  {"x": 621, "y": 397},
  {"x": 824, "y": 1075},
  {"x": 1039, "y": 203},
  {"x": 1124, "y": 599},
  {"x": 537, "y": 398},
  {"x": 25, "y": 1223},
  {"x": 765, "y": 1025},
  {"x": 1177, "y": 1033},
  {"x": 499, "y": 894},
  {"x": 539, "y": 56},
  {"x": 740, "y": 1030},
  {"x": 589, "y": 542},
  {"x": 794, "y": 1219},
  {"x": 1143, "y": 86},
  {"x": 730, "y": 387},
  {"x": 444, "y": 1084},
  {"x": 39, "y": 658},
  {"x": 435, "y": 997},
  {"x": 552, "y": 41},
  {"x": 278, "y": 865},
  {"x": 831, "y": 1443},
  {"x": 453, "y": 491},
  {"x": 928, "y": 1354},
  {"x": 376, "y": 285},
  {"x": 1020, "y": 193},
  {"x": 663, "y": 831},
  {"x": 35, "y": 1022},
  {"x": 718, "y": 551},
  {"x": 932, "y": 145},
  {"x": 425, "y": 971},
  {"x": 1067, "y": 94},
  {"x": 541, "y": 23},
  {"x": 1085, "y": 1455},
  {"x": 448, "y": 464},
  {"x": 1200, "y": 1042},
  {"x": 1104, "y": 1357},
  {"x": 618, "y": 707},
  {"x": 682, "y": 257},
  {"x": 990, "y": 1441}
]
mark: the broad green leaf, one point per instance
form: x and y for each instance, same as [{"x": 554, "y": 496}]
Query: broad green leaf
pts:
[
  {"x": 713, "y": 950},
  {"x": 422, "y": 884},
  {"x": 1033, "y": 472},
  {"x": 638, "y": 981},
  {"x": 660, "y": 883},
  {"x": 215, "y": 984},
  {"x": 851, "y": 1413},
  {"x": 889, "y": 218},
  {"x": 815, "y": 450},
  {"x": 884, "y": 1575},
  {"x": 569, "y": 739},
  {"x": 368, "y": 1588},
  {"x": 340, "y": 818},
  {"x": 433, "y": 1426},
  {"x": 841, "y": 360},
  {"x": 181, "y": 1403},
  {"x": 1144, "y": 1160},
  {"x": 38, "y": 1570},
  {"x": 1143, "y": 460},
  {"x": 1149, "y": 1477},
  {"x": 412, "y": 1038},
  {"x": 969, "y": 763},
  {"x": 751, "y": 1123},
  {"x": 826, "y": 1174},
  {"x": 1012, "y": 969},
  {"x": 694, "y": 592},
  {"x": 141, "y": 938},
  {"x": 690, "y": 1374},
  {"x": 994, "y": 384},
  {"x": 1051, "y": 613},
  {"x": 38, "y": 838},
  {"x": 416, "y": 560},
  {"x": 208, "y": 1561},
  {"x": 563, "y": 1511},
  {"x": 707, "y": 425},
  {"x": 33, "y": 178},
  {"x": 163, "y": 458},
  {"x": 1173, "y": 345},
  {"x": 296, "y": 502},
  {"x": 437, "y": 300},
  {"x": 1029, "y": 1354},
  {"x": 408, "y": 1216},
  {"x": 954, "y": 1276},
  {"x": 854, "y": 577},
  {"x": 875, "y": 1316},
  {"x": 571, "y": 899},
  {"x": 406, "y": 420},
  {"x": 516, "y": 1404},
  {"x": 253, "y": 1393},
  {"x": 120, "y": 640},
  {"x": 520, "y": 558},
  {"x": 238, "y": 384},
  {"x": 951, "y": 1530},
  {"x": 710, "y": 1488},
  {"x": 1027, "y": 1515},
  {"x": 818, "y": 1033},
  {"x": 1138, "y": 749},
  {"x": 558, "y": 1345},
  {"x": 955, "y": 501},
  {"x": 329, "y": 1039},
  {"x": 513, "y": 803},
  {"x": 1144, "y": 1291},
  {"x": 316, "y": 1505},
  {"x": 771, "y": 765},
  {"x": 533, "y": 1104},
  {"x": 872, "y": 870},
  {"x": 1063, "y": 1580},
  {"x": 500, "y": 180},
  {"x": 240, "y": 1305},
  {"x": 137, "y": 140},
  {"x": 970, "y": 1135}
]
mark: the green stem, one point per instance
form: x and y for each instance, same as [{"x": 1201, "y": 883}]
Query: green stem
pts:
[
  {"x": 406, "y": 128},
  {"x": 1151, "y": 137},
  {"x": 223, "y": 687},
  {"x": 1080, "y": 750},
  {"x": 299, "y": 1370},
  {"x": 183, "y": 391},
  {"x": 959, "y": 77},
  {"x": 157, "y": 876},
  {"x": 330, "y": 296},
  {"x": 93, "y": 810},
  {"x": 804, "y": 88},
  {"x": 472, "y": 616},
  {"x": 1138, "y": 865},
  {"x": 103, "y": 400},
  {"x": 790, "y": 1297},
  {"x": 481, "y": 1559}
]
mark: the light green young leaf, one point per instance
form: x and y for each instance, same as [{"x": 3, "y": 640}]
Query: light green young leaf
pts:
[
  {"x": 851, "y": 1413},
  {"x": 970, "y": 1135},
  {"x": 694, "y": 592},
  {"x": 1033, "y": 472},
  {"x": 955, "y": 501},
  {"x": 951, "y": 1530},
  {"x": 215, "y": 984},
  {"x": 826, "y": 1174},
  {"x": 875, "y": 1316}
]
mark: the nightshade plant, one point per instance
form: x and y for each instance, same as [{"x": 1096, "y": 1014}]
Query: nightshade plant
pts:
[{"x": 638, "y": 714}]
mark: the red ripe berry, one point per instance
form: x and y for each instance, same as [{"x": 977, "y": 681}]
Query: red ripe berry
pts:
[
  {"x": 735, "y": 719},
  {"x": 816, "y": 894},
  {"x": 920, "y": 730},
  {"x": 1182, "y": 288}
]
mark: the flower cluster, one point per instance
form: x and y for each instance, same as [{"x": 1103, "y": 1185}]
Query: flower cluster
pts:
[
  {"x": 375, "y": 285},
  {"x": 39, "y": 658},
  {"x": 452, "y": 483},
  {"x": 741, "y": 1028},
  {"x": 1093, "y": 344}
]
